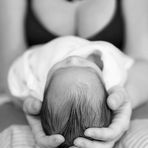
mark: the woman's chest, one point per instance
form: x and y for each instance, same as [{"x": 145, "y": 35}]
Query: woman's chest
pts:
[{"x": 83, "y": 18}]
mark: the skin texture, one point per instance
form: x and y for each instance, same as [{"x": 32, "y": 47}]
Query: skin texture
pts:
[{"x": 13, "y": 43}]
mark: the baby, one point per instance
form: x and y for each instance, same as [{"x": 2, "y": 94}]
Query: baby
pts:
[
  {"x": 74, "y": 100},
  {"x": 72, "y": 77}
]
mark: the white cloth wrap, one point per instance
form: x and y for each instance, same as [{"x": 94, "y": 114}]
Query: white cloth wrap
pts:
[{"x": 28, "y": 74}]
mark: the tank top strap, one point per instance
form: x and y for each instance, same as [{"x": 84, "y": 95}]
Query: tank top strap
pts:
[{"x": 29, "y": 5}]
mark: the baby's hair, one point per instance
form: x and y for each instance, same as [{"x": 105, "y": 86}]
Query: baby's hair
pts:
[{"x": 74, "y": 112}]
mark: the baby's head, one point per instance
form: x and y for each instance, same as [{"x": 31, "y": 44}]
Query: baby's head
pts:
[{"x": 74, "y": 100}]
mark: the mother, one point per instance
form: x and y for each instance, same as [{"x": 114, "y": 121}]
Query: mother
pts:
[{"x": 24, "y": 23}]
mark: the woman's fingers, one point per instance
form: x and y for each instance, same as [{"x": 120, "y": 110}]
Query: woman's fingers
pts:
[
  {"x": 118, "y": 126},
  {"x": 42, "y": 139},
  {"x": 120, "y": 122},
  {"x": 117, "y": 101},
  {"x": 32, "y": 106},
  {"x": 52, "y": 141},
  {"x": 85, "y": 143},
  {"x": 117, "y": 97}
]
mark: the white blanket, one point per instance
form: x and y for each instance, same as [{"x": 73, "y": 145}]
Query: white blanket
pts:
[{"x": 28, "y": 73}]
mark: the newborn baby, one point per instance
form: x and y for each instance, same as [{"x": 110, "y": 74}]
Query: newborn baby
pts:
[
  {"x": 74, "y": 100},
  {"x": 72, "y": 77}
]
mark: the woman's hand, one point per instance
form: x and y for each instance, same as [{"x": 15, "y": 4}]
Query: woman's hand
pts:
[
  {"x": 118, "y": 101},
  {"x": 32, "y": 108}
]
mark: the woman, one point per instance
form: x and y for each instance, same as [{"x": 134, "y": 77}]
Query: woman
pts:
[{"x": 27, "y": 23}]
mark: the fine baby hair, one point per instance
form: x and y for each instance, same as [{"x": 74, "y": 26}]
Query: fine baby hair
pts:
[{"x": 72, "y": 104}]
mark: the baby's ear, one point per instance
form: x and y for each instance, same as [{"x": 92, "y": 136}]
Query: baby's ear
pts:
[{"x": 96, "y": 58}]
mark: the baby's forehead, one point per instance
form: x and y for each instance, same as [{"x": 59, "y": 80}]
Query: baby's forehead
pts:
[
  {"x": 75, "y": 75},
  {"x": 74, "y": 82},
  {"x": 74, "y": 78}
]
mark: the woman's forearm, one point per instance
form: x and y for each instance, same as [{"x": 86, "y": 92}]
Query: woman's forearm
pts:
[
  {"x": 7, "y": 56},
  {"x": 137, "y": 83}
]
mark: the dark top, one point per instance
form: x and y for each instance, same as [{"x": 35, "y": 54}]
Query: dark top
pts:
[{"x": 113, "y": 32}]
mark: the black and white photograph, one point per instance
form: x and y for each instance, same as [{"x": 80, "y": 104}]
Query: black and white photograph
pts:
[{"x": 73, "y": 73}]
